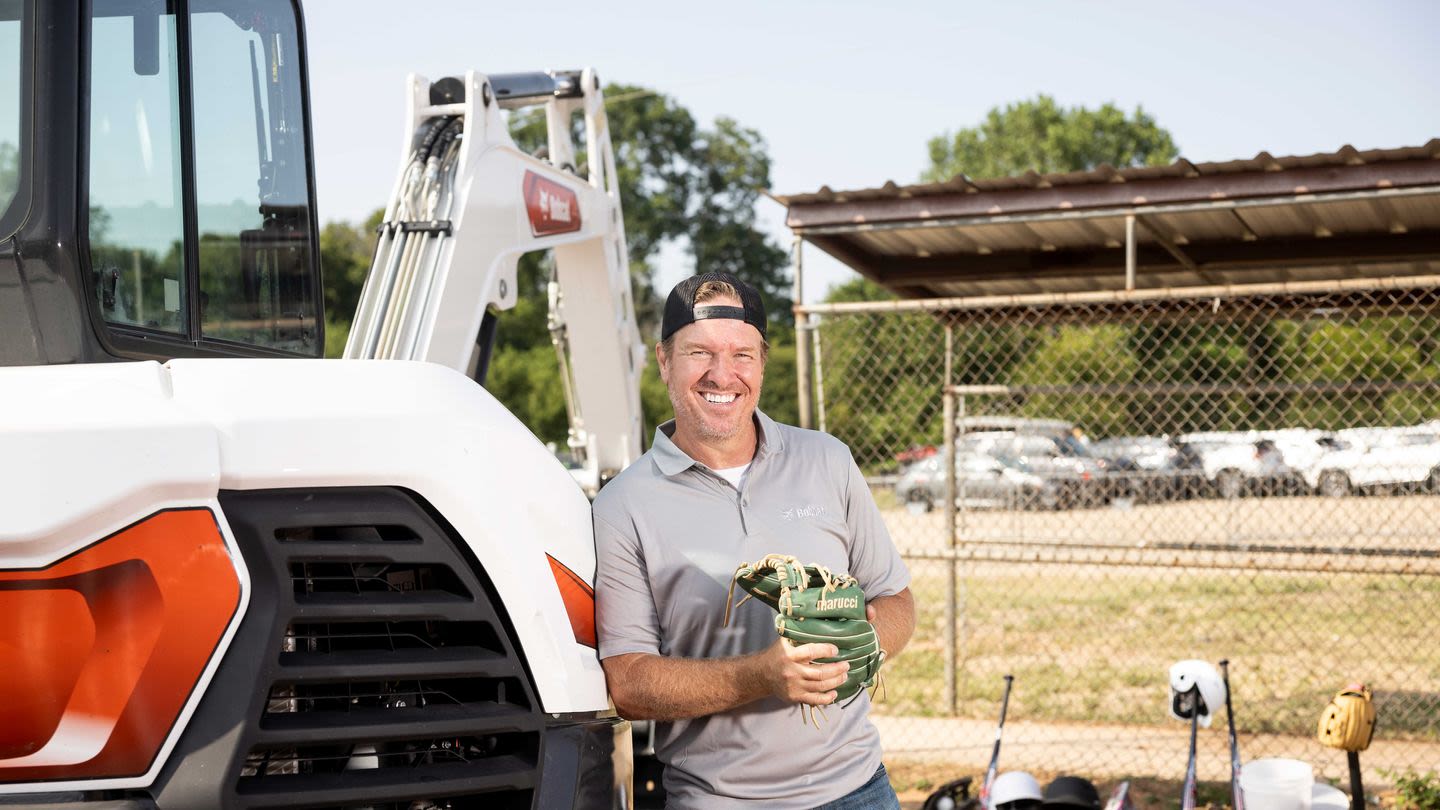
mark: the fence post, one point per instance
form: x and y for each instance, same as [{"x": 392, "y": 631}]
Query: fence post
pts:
[
  {"x": 948, "y": 458},
  {"x": 817, "y": 362}
]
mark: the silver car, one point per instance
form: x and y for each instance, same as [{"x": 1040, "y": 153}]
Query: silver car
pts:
[{"x": 981, "y": 480}]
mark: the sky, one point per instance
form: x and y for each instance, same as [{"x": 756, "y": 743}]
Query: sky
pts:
[{"x": 847, "y": 94}]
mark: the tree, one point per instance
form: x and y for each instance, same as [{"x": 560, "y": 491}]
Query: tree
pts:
[
  {"x": 891, "y": 366},
  {"x": 1040, "y": 135},
  {"x": 731, "y": 170},
  {"x": 345, "y": 253},
  {"x": 857, "y": 289},
  {"x": 682, "y": 183}
]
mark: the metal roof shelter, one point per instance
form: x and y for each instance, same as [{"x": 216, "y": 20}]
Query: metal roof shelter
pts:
[{"x": 1347, "y": 214}]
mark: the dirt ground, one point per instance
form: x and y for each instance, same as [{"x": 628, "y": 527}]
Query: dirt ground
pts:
[
  {"x": 1155, "y": 753},
  {"x": 1361, "y": 533}
]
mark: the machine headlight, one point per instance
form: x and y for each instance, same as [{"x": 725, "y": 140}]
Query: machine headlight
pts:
[{"x": 103, "y": 648}]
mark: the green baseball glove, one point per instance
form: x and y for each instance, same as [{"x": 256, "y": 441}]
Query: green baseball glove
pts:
[{"x": 815, "y": 606}]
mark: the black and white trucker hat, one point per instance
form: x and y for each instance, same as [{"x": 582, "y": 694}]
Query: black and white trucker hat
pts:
[{"x": 680, "y": 308}]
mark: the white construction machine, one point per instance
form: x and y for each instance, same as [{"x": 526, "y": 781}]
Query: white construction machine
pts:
[{"x": 235, "y": 577}]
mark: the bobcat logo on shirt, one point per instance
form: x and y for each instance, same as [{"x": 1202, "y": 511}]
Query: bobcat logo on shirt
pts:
[{"x": 809, "y": 512}]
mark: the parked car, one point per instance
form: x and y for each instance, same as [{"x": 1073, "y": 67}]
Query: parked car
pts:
[
  {"x": 1062, "y": 459},
  {"x": 1377, "y": 458},
  {"x": 1151, "y": 468},
  {"x": 1235, "y": 467},
  {"x": 981, "y": 480}
]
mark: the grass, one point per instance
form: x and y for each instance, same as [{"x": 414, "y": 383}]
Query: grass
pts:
[{"x": 1094, "y": 644}]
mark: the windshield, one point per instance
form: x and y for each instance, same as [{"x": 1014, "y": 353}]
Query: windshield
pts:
[{"x": 10, "y": 87}]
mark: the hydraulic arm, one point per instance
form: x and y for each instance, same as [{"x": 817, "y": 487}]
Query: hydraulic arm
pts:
[{"x": 466, "y": 205}]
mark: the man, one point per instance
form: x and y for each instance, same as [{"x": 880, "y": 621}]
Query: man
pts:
[{"x": 723, "y": 484}]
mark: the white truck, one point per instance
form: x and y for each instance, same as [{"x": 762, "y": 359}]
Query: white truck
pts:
[
  {"x": 1257, "y": 461},
  {"x": 235, "y": 575},
  {"x": 1370, "y": 459}
]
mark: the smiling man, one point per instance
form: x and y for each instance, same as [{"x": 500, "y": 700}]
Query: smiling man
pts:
[{"x": 721, "y": 484}]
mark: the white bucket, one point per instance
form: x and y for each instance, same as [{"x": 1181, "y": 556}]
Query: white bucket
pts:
[
  {"x": 1325, "y": 797},
  {"x": 1277, "y": 784}
]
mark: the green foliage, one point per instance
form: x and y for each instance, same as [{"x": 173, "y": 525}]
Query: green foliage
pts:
[
  {"x": 138, "y": 278},
  {"x": 527, "y": 381},
  {"x": 680, "y": 182},
  {"x": 1189, "y": 353},
  {"x": 883, "y": 374},
  {"x": 1042, "y": 136},
  {"x": 345, "y": 253},
  {"x": 1080, "y": 356},
  {"x": 654, "y": 398},
  {"x": 9, "y": 172},
  {"x": 890, "y": 368},
  {"x": 893, "y": 365},
  {"x": 1401, "y": 348},
  {"x": 650, "y": 134},
  {"x": 857, "y": 289},
  {"x": 1416, "y": 791},
  {"x": 730, "y": 169},
  {"x": 777, "y": 398}
]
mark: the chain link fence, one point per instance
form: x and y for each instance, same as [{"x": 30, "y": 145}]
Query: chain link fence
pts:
[{"x": 1087, "y": 491}]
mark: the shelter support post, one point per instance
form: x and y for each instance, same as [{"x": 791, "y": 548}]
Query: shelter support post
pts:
[
  {"x": 819, "y": 364},
  {"x": 802, "y": 326},
  {"x": 1129, "y": 251}
]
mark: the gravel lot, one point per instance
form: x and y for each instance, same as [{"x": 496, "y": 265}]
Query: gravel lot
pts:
[{"x": 1372, "y": 534}]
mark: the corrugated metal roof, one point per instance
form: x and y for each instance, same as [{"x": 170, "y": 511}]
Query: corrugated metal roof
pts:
[
  {"x": 1105, "y": 173},
  {"x": 1333, "y": 215}
]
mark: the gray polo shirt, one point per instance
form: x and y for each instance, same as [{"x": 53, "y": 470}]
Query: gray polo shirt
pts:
[{"x": 669, "y": 533}]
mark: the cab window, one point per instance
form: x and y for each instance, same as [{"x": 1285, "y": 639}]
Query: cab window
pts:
[
  {"x": 11, "y": 20},
  {"x": 137, "y": 230},
  {"x": 251, "y": 183},
  {"x": 228, "y": 259}
]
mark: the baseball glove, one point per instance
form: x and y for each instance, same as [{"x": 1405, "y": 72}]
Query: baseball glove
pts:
[{"x": 815, "y": 606}]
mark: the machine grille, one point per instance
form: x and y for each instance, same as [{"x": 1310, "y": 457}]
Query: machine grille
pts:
[{"x": 391, "y": 679}]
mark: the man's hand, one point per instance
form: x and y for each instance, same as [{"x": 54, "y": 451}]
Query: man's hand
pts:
[
  {"x": 653, "y": 687},
  {"x": 794, "y": 677},
  {"x": 894, "y": 620}
]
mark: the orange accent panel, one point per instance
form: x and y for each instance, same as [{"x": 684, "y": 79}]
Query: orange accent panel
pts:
[
  {"x": 108, "y": 646},
  {"x": 60, "y": 615},
  {"x": 579, "y": 601}
]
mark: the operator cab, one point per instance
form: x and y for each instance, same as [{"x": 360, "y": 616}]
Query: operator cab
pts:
[{"x": 156, "y": 183}]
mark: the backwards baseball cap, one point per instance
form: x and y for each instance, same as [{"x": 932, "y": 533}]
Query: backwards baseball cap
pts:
[{"x": 680, "y": 308}]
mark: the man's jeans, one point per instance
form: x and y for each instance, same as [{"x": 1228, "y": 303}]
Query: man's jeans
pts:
[{"x": 873, "y": 795}]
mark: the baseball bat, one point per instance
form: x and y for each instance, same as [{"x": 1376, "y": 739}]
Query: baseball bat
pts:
[
  {"x": 1187, "y": 798},
  {"x": 995, "y": 754},
  {"x": 1237, "y": 797}
]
